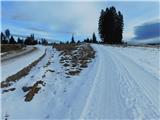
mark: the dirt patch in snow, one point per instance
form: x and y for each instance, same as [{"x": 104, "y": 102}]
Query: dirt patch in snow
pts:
[
  {"x": 50, "y": 70},
  {"x": 32, "y": 90},
  {"x": 75, "y": 57}
]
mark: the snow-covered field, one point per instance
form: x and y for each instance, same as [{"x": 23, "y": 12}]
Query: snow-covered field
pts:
[{"x": 120, "y": 83}]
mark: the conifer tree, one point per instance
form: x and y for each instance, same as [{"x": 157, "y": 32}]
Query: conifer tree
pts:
[
  {"x": 3, "y": 39},
  {"x": 7, "y": 33},
  {"x": 110, "y": 26},
  {"x": 72, "y": 39},
  {"x": 12, "y": 41},
  {"x": 94, "y": 39}
]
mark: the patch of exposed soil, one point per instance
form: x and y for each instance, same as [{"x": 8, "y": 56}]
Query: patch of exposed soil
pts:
[{"x": 32, "y": 90}]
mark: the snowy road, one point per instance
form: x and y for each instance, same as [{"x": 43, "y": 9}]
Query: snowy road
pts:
[
  {"x": 16, "y": 62},
  {"x": 120, "y": 83},
  {"x": 16, "y": 54},
  {"x": 122, "y": 88}
]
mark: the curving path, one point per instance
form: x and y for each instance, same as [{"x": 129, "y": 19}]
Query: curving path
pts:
[{"x": 12, "y": 63}]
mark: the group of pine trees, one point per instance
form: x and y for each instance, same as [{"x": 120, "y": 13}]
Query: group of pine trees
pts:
[
  {"x": 7, "y": 38},
  {"x": 91, "y": 40},
  {"x": 111, "y": 26}
]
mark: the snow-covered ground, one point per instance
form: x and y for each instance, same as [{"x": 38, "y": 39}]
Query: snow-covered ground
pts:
[
  {"x": 15, "y": 64},
  {"x": 120, "y": 83},
  {"x": 16, "y": 53},
  {"x": 126, "y": 88},
  {"x": 3, "y": 53}
]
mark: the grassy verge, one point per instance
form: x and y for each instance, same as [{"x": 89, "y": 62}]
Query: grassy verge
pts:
[
  {"x": 10, "y": 47},
  {"x": 75, "y": 57}
]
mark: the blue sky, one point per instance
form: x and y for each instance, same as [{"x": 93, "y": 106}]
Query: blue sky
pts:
[{"x": 59, "y": 20}]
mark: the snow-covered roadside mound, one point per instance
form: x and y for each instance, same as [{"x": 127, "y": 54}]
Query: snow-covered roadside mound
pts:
[{"x": 12, "y": 66}]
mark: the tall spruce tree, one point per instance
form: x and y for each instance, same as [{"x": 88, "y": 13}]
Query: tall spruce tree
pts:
[
  {"x": 94, "y": 38},
  {"x": 72, "y": 39},
  {"x": 3, "y": 39},
  {"x": 20, "y": 41},
  {"x": 12, "y": 41},
  {"x": 111, "y": 26},
  {"x": 7, "y": 33}
]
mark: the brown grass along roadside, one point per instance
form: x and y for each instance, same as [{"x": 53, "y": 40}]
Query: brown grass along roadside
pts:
[
  {"x": 10, "y": 47},
  {"x": 65, "y": 47},
  {"x": 75, "y": 57}
]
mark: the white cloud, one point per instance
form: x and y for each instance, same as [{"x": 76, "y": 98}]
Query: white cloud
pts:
[
  {"x": 81, "y": 18},
  {"x": 77, "y": 17}
]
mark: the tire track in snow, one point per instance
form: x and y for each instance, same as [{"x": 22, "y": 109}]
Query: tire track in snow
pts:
[
  {"x": 145, "y": 73},
  {"x": 149, "y": 69},
  {"x": 86, "y": 106},
  {"x": 104, "y": 101},
  {"x": 136, "y": 95}
]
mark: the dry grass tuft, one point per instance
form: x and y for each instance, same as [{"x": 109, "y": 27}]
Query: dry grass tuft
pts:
[
  {"x": 33, "y": 90},
  {"x": 75, "y": 56},
  {"x": 65, "y": 47},
  {"x": 76, "y": 72}
]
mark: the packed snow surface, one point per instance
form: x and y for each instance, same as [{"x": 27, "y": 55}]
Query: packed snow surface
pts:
[
  {"x": 120, "y": 83},
  {"x": 16, "y": 53},
  {"x": 13, "y": 65}
]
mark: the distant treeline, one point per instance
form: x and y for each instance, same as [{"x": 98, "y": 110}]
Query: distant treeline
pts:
[
  {"x": 110, "y": 27},
  {"x": 7, "y": 38},
  {"x": 87, "y": 40}
]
